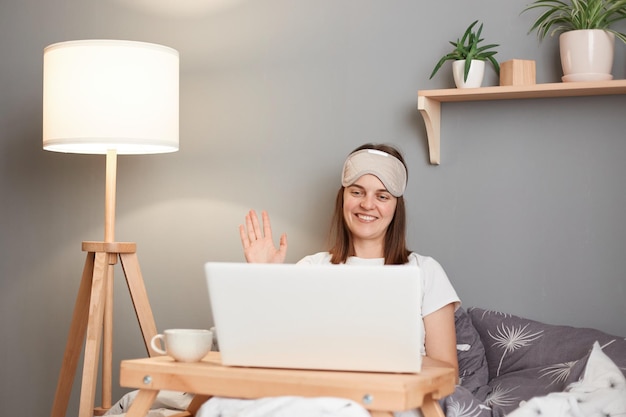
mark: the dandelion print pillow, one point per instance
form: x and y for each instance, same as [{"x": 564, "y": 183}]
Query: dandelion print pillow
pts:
[
  {"x": 527, "y": 358},
  {"x": 473, "y": 372}
]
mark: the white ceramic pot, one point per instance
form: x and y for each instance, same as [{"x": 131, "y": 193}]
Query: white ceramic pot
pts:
[
  {"x": 587, "y": 55},
  {"x": 475, "y": 76}
]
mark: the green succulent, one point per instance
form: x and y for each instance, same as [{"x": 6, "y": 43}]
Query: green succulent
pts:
[
  {"x": 468, "y": 48},
  {"x": 561, "y": 16}
]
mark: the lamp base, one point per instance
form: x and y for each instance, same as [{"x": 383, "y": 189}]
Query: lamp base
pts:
[{"x": 91, "y": 323}]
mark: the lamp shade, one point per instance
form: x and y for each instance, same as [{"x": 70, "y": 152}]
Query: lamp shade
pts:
[{"x": 102, "y": 95}]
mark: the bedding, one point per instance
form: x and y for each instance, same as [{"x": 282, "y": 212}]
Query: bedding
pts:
[
  {"x": 506, "y": 360},
  {"x": 508, "y": 366},
  {"x": 601, "y": 392},
  {"x": 167, "y": 403},
  {"x": 285, "y": 406}
]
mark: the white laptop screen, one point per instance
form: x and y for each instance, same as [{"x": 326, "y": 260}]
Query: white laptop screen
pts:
[{"x": 339, "y": 317}]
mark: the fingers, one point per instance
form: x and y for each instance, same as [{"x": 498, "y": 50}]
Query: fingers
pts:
[
  {"x": 247, "y": 233},
  {"x": 283, "y": 243},
  {"x": 252, "y": 229},
  {"x": 251, "y": 234},
  {"x": 267, "y": 227},
  {"x": 256, "y": 227},
  {"x": 245, "y": 242}
]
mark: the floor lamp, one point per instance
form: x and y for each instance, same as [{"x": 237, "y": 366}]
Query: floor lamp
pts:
[{"x": 106, "y": 97}]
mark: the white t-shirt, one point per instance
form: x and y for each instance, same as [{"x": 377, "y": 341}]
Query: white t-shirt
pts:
[{"x": 438, "y": 291}]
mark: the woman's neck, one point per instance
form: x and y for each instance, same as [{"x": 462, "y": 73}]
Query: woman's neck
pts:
[{"x": 369, "y": 249}]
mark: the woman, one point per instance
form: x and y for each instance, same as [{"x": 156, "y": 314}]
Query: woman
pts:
[{"x": 369, "y": 227}]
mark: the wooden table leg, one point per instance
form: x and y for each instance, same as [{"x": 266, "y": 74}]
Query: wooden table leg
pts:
[
  {"x": 197, "y": 402},
  {"x": 142, "y": 402},
  {"x": 431, "y": 407},
  {"x": 194, "y": 406}
]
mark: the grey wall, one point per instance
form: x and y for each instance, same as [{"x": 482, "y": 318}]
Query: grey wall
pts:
[{"x": 526, "y": 212}]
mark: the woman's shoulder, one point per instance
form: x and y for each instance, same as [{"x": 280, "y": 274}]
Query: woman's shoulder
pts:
[
  {"x": 316, "y": 258},
  {"x": 422, "y": 260}
]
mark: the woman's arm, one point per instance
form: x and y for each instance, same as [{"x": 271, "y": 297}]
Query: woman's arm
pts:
[
  {"x": 440, "y": 340},
  {"x": 258, "y": 245}
]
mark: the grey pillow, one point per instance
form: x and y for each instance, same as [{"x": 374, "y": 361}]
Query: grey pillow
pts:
[
  {"x": 462, "y": 403},
  {"x": 527, "y": 358},
  {"x": 514, "y": 343},
  {"x": 473, "y": 371}
]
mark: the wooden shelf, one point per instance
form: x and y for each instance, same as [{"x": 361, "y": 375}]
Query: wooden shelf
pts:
[{"x": 429, "y": 101}]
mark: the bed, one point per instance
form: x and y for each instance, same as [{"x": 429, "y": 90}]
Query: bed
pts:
[{"x": 508, "y": 366}]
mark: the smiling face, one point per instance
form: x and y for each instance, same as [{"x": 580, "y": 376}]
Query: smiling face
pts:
[{"x": 368, "y": 209}]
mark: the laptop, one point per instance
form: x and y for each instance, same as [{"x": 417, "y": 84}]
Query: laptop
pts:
[{"x": 324, "y": 317}]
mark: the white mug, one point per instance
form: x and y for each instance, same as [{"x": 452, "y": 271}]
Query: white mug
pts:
[{"x": 184, "y": 345}]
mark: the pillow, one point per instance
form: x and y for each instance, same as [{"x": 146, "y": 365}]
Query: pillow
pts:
[
  {"x": 507, "y": 391},
  {"x": 473, "y": 371},
  {"x": 527, "y": 358},
  {"x": 462, "y": 403},
  {"x": 515, "y": 344},
  {"x": 601, "y": 392}
]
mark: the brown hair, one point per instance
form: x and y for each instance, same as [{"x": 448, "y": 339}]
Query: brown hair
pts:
[{"x": 341, "y": 244}]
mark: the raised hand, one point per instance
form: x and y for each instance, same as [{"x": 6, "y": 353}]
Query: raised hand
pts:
[{"x": 257, "y": 242}]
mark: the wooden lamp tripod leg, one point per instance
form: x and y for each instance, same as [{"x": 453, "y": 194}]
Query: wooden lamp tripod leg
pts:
[
  {"x": 89, "y": 321},
  {"x": 107, "y": 340},
  {"x": 94, "y": 335},
  {"x": 73, "y": 348},
  {"x": 138, "y": 294}
]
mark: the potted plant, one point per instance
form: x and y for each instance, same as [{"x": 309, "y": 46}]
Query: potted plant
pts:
[
  {"x": 586, "y": 41},
  {"x": 469, "y": 58}
]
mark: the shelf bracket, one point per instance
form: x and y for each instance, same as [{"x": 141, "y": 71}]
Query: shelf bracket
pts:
[{"x": 431, "y": 112}]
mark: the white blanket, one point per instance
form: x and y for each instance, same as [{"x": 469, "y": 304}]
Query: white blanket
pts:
[
  {"x": 285, "y": 406},
  {"x": 170, "y": 402}
]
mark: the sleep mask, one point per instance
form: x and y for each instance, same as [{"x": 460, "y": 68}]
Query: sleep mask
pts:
[{"x": 389, "y": 169}]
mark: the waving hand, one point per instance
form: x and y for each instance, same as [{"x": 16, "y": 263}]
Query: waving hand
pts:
[{"x": 257, "y": 242}]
